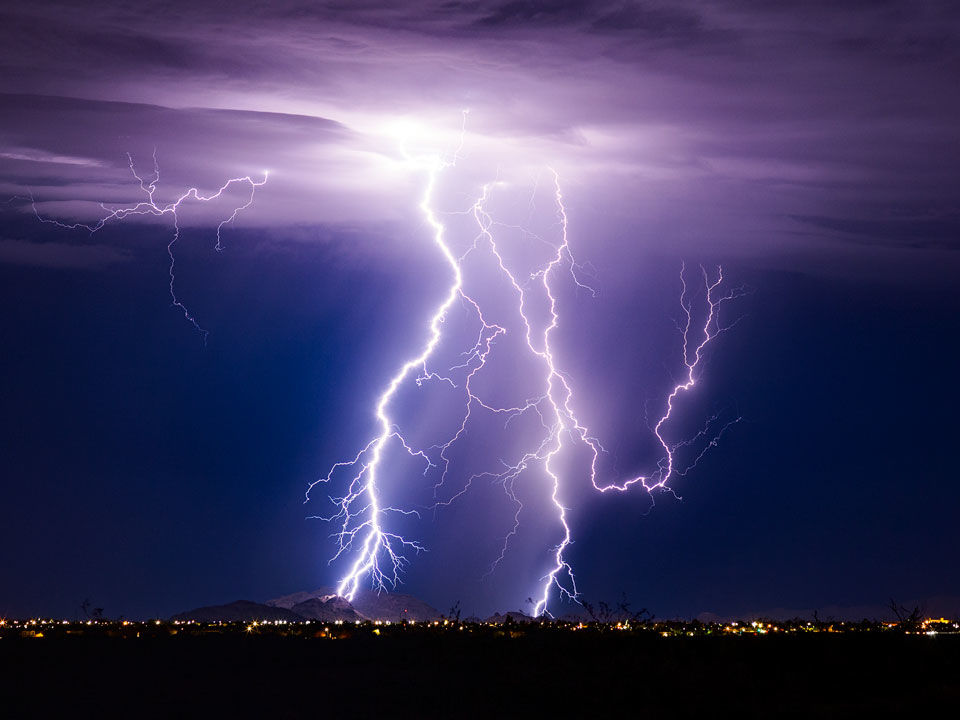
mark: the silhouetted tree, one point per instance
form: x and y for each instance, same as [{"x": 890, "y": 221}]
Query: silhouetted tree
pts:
[
  {"x": 907, "y": 620},
  {"x": 640, "y": 617}
]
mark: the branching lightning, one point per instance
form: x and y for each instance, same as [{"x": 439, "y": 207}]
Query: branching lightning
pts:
[
  {"x": 359, "y": 511},
  {"x": 151, "y": 206},
  {"x": 692, "y": 360},
  {"x": 361, "y": 519}
]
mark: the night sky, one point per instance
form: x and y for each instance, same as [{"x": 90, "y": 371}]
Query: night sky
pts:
[{"x": 810, "y": 149}]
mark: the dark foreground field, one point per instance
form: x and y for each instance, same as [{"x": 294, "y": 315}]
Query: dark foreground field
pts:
[{"x": 493, "y": 674}]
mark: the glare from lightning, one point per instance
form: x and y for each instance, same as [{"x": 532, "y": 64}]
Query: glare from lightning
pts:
[
  {"x": 152, "y": 207},
  {"x": 360, "y": 513},
  {"x": 362, "y": 521}
]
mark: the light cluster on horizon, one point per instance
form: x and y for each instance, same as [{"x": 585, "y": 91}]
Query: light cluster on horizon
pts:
[{"x": 56, "y": 628}]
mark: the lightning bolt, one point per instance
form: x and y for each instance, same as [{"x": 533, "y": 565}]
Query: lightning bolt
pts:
[
  {"x": 359, "y": 511},
  {"x": 152, "y": 207},
  {"x": 693, "y": 358},
  {"x": 553, "y": 405},
  {"x": 363, "y": 520},
  {"x": 361, "y": 516}
]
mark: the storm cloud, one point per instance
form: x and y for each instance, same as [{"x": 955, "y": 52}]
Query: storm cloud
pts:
[{"x": 753, "y": 113}]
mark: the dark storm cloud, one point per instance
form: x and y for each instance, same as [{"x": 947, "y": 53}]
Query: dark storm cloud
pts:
[
  {"x": 60, "y": 255},
  {"x": 913, "y": 231},
  {"x": 524, "y": 12},
  {"x": 657, "y": 22},
  {"x": 61, "y": 38}
]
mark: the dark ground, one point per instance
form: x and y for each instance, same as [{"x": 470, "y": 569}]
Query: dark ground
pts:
[{"x": 491, "y": 674}]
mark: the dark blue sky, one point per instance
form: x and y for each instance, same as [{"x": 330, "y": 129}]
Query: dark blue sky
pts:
[
  {"x": 812, "y": 151},
  {"x": 149, "y": 473}
]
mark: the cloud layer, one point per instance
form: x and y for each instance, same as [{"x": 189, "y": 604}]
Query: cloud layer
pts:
[{"x": 735, "y": 122}]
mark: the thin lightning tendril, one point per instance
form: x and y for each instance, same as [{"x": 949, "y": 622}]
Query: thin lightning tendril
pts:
[
  {"x": 152, "y": 207},
  {"x": 692, "y": 360}
]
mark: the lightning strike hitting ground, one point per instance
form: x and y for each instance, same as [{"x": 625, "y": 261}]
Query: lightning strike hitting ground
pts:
[
  {"x": 362, "y": 519},
  {"x": 150, "y": 206},
  {"x": 359, "y": 511}
]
